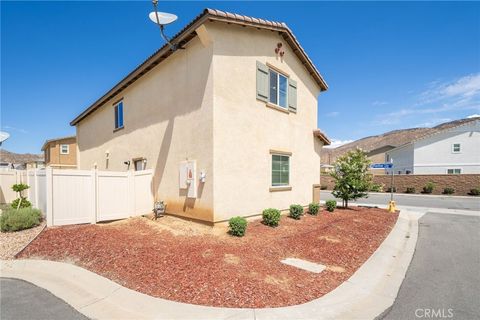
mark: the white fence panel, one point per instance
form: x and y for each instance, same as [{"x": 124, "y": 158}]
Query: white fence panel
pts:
[
  {"x": 7, "y": 179},
  {"x": 142, "y": 194},
  {"x": 32, "y": 190},
  {"x": 113, "y": 196},
  {"x": 41, "y": 191},
  {"x": 72, "y": 197}
]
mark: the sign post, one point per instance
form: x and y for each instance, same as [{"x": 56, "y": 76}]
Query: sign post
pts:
[{"x": 391, "y": 204}]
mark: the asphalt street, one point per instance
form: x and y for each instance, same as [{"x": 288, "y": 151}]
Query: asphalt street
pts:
[
  {"x": 443, "y": 280},
  {"x": 426, "y": 201},
  {"x": 21, "y": 300}
]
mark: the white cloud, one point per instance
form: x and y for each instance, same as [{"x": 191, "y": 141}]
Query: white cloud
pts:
[
  {"x": 439, "y": 97},
  {"x": 15, "y": 129},
  {"x": 433, "y": 122},
  {"x": 476, "y": 115},
  {"x": 332, "y": 114},
  {"x": 379, "y": 103},
  {"x": 337, "y": 143}
]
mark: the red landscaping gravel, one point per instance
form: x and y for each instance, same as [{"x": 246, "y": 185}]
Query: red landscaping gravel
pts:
[{"x": 220, "y": 270}]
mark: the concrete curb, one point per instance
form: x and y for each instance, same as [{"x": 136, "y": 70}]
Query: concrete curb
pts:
[{"x": 365, "y": 295}]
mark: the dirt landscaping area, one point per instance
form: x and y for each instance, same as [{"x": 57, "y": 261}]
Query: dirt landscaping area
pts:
[
  {"x": 183, "y": 261},
  {"x": 13, "y": 242}
]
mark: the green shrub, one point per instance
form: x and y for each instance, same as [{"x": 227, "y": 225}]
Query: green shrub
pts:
[
  {"x": 313, "y": 208},
  {"x": 331, "y": 205},
  {"x": 475, "y": 192},
  {"x": 271, "y": 217},
  {"x": 237, "y": 226},
  {"x": 410, "y": 190},
  {"x": 376, "y": 188},
  {"x": 448, "y": 190},
  {"x": 15, "y": 220},
  {"x": 323, "y": 187},
  {"x": 25, "y": 203},
  {"x": 296, "y": 211},
  {"x": 429, "y": 187}
]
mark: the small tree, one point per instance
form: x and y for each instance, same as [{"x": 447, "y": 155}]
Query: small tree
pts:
[
  {"x": 19, "y": 188},
  {"x": 352, "y": 179}
]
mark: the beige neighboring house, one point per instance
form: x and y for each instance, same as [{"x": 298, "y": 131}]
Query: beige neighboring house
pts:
[
  {"x": 61, "y": 153},
  {"x": 227, "y": 123}
]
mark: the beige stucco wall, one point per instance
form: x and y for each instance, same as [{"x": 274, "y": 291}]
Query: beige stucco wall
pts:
[
  {"x": 55, "y": 159},
  {"x": 167, "y": 119},
  {"x": 245, "y": 129},
  {"x": 200, "y": 104}
]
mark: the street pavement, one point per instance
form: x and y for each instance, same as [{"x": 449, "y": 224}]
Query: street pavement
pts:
[
  {"x": 417, "y": 200},
  {"x": 443, "y": 280},
  {"x": 21, "y": 300}
]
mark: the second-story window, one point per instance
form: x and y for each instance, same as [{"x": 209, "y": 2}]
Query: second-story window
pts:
[
  {"x": 64, "y": 149},
  {"x": 278, "y": 85},
  {"x": 119, "y": 115},
  {"x": 456, "y": 148}
]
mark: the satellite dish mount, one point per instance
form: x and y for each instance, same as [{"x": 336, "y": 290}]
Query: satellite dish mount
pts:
[{"x": 162, "y": 19}]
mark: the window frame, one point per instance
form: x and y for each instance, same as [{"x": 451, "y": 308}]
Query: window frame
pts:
[
  {"x": 282, "y": 155},
  {"x": 459, "y": 147},
  {"x": 142, "y": 161},
  {"x": 61, "y": 148},
  {"x": 453, "y": 170},
  {"x": 116, "y": 115},
  {"x": 277, "y": 91}
]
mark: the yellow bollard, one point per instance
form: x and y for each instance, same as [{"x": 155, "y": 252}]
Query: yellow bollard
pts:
[{"x": 391, "y": 206}]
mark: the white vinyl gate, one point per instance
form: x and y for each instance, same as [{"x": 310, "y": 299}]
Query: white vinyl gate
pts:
[{"x": 68, "y": 196}]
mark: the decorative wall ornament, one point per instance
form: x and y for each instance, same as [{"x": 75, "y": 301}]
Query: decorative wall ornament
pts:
[{"x": 279, "y": 49}]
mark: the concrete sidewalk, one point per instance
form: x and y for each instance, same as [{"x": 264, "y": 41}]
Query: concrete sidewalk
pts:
[{"x": 365, "y": 295}]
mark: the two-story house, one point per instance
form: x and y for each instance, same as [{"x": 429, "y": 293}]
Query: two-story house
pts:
[
  {"x": 61, "y": 153},
  {"x": 228, "y": 122},
  {"x": 455, "y": 150}
]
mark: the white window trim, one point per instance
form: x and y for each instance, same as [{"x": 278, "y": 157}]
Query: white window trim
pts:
[
  {"x": 453, "y": 148},
  {"x": 61, "y": 149},
  {"x": 115, "y": 106},
  {"x": 454, "y": 170},
  {"x": 285, "y": 187},
  {"x": 278, "y": 88}
]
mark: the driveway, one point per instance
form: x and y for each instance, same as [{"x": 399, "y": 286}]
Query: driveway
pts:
[
  {"x": 443, "y": 280},
  {"x": 418, "y": 200},
  {"x": 22, "y": 300}
]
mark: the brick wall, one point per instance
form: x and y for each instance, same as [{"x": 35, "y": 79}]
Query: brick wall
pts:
[{"x": 462, "y": 183}]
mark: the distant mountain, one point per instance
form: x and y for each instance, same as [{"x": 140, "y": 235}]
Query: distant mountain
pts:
[
  {"x": 393, "y": 138},
  {"x": 17, "y": 158}
]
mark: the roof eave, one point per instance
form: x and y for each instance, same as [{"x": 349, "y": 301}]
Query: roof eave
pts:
[{"x": 322, "y": 136}]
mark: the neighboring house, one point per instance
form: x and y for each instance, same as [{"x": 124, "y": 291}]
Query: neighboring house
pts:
[
  {"x": 227, "y": 123},
  {"x": 451, "y": 151},
  {"x": 61, "y": 153}
]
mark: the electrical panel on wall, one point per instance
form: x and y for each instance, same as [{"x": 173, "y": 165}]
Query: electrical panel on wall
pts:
[{"x": 187, "y": 177}]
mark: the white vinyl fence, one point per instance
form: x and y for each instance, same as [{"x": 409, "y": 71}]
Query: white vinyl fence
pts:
[{"x": 84, "y": 196}]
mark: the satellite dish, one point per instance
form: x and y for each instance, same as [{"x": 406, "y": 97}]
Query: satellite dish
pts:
[
  {"x": 163, "y": 18},
  {"x": 3, "y": 136}
]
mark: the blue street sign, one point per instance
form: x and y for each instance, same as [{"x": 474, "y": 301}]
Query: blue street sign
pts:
[{"x": 381, "y": 165}]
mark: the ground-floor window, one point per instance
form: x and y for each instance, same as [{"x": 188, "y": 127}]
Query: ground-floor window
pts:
[
  {"x": 454, "y": 171},
  {"x": 280, "y": 170}
]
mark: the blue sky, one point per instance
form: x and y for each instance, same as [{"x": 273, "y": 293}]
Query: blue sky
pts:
[{"x": 389, "y": 65}]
